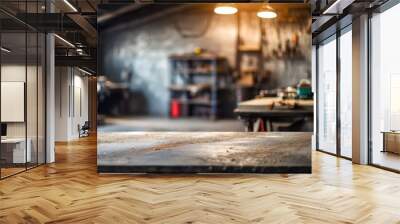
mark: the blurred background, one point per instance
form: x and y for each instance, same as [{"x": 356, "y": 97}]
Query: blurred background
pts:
[{"x": 205, "y": 67}]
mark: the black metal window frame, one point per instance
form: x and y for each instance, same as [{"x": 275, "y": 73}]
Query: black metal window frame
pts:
[
  {"x": 382, "y": 8},
  {"x": 334, "y": 37}
]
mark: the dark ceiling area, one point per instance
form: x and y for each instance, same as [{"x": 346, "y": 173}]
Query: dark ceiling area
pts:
[{"x": 76, "y": 21}]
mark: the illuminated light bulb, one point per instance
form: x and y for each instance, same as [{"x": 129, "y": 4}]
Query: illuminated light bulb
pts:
[
  {"x": 225, "y": 10},
  {"x": 267, "y": 12}
]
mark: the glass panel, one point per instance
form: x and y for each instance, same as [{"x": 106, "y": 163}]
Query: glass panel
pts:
[
  {"x": 327, "y": 97},
  {"x": 346, "y": 94},
  {"x": 385, "y": 83},
  {"x": 14, "y": 153},
  {"x": 32, "y": 87},
  {"x": 41, "y": 98},
  {"x": 313, "y": 81},
  {"x": 32, "y": 96}
]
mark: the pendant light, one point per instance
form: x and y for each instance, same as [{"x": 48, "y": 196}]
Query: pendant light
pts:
[
  {"x": 267, "y": 12},
  {"x": 225, "y": 9}
]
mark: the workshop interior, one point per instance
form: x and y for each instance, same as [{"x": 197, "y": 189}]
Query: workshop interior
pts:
[
  {"x": 198, "y": 69},
  {"x": 188, "y": 70}
]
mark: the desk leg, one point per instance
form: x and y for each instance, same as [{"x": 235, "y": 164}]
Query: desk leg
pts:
[
  {"x": 268, "y": 125},
  {"x": 249, "y": 125},
  {"x": 384, "y": 143}
]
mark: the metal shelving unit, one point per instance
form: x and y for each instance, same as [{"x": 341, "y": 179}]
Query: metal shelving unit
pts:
[{"x": 198, "y": 84}]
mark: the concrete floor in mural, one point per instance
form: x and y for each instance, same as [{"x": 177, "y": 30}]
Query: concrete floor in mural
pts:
[{"x": 204, "y": 149}]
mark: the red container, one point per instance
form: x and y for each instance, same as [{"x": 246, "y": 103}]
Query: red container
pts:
[{"x": 175, "y": 109}]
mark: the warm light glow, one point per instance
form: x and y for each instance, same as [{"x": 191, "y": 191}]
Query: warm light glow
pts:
[
  {"x": 267, "y": 14},
  {"x": 225, "y": 10}
]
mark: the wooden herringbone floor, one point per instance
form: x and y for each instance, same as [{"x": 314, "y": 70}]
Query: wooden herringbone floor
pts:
[{"x": 70, "y": 191}]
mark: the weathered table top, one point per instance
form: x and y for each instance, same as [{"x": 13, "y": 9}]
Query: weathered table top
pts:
[{"x": 204, "y": 152}]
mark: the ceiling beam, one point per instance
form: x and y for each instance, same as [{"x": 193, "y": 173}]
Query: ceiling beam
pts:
[
  {"x": 81, "y": 61},
  {"x": 123, "y": 10},
  {"x": 337, "y": 7},
  {"x": 80, "y": 20},
  {"x": 86, "y": 27}
]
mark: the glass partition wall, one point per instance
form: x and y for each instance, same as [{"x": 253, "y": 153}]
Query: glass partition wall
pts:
[
  {"x": 385, "y": 89},
  {"x": 22, "y": 94},
  {"x": 326, "y": 106},
  {"x": 345, "y": 93},
  {"x": 334, "y": 94}
]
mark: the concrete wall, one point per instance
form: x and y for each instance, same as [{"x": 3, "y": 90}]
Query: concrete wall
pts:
[
  {"x": 283, "y": 67},
  {"x": 290, "y": 69},
  {"x": 142, "y": 50}
]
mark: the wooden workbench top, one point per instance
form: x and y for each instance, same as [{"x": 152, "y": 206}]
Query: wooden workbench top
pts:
[
  {"x": 268, "y": 101},
  {"x": 268, "y": 104}
]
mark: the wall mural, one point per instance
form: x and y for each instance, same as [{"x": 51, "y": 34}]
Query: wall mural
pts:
[{"x": 172, "y": 82}]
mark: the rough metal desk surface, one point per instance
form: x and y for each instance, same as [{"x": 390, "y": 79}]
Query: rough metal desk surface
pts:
[{"x": 172, "y": 152}]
